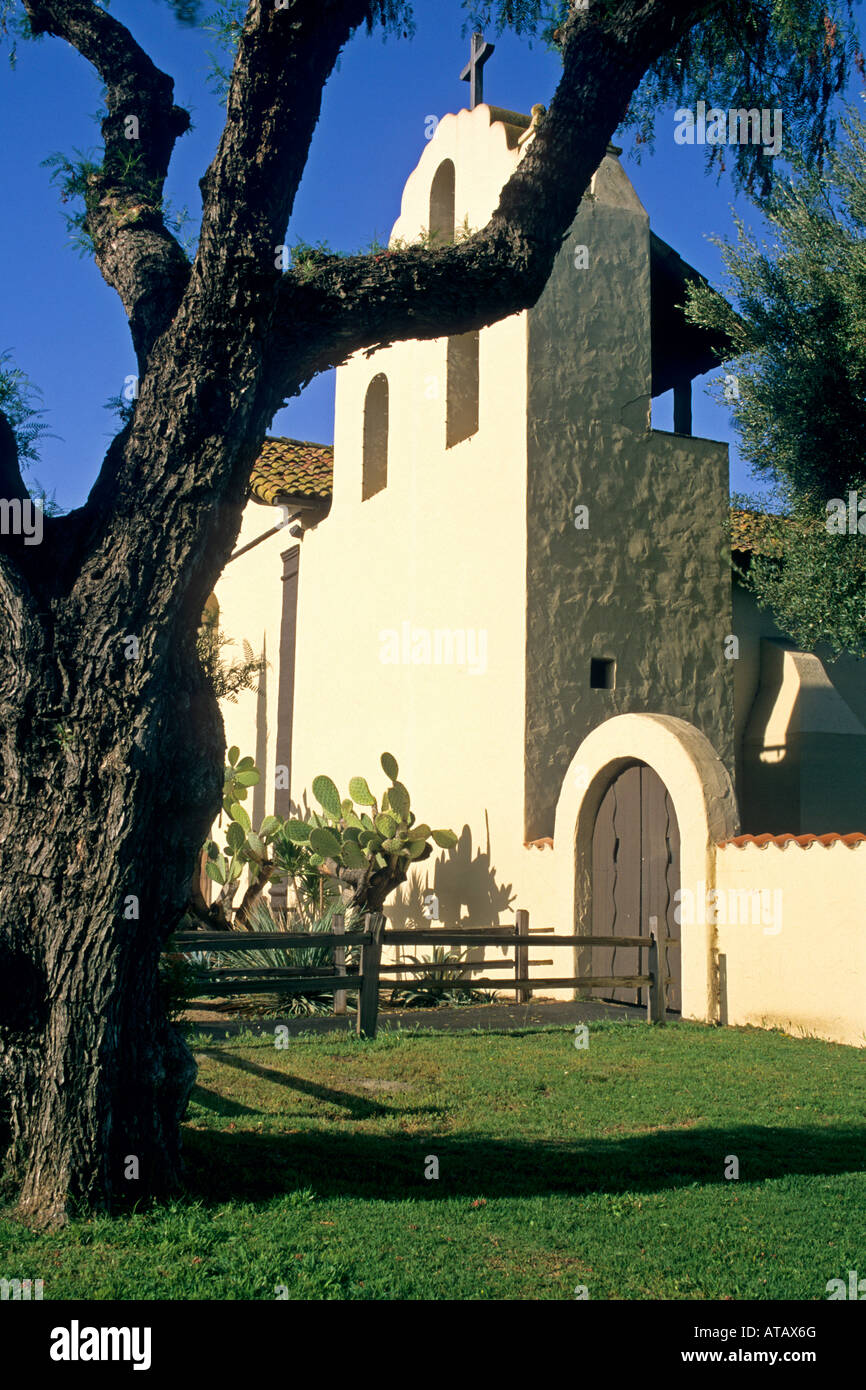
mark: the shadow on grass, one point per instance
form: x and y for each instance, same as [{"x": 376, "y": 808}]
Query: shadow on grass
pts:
[
  {"x": 220, "y": 1105},
  {"x": 250, "y": 1167},
  {"x": 358, "y": 1106}
]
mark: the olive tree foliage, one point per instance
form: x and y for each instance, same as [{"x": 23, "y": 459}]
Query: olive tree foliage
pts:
[
  {"x": 795, "y": 314},
  {"x": 111, "y": 743}
]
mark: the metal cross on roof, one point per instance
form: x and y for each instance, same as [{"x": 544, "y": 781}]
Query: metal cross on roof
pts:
[{"x": 473, "y": 73}]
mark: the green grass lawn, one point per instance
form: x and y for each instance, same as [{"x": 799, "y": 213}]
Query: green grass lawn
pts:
[{"x": 557, "y": 1167}]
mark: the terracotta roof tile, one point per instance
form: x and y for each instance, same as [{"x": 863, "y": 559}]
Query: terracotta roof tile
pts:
[
  {"x": 740, "y": 841},
  {"x": 292, "y": 468}
]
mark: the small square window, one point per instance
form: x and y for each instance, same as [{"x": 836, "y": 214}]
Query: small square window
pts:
[{"x": 602, "y": 673}]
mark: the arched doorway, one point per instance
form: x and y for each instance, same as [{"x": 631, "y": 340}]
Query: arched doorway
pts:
[
  {"x": 706, "y": 810},
  {"x": 635, "y": 877}
]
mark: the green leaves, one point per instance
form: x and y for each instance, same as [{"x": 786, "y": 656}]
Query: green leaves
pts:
[
  {"x": 369, "y": 855},
  {"x": 238, "y": 777},
  {"x": 352, "y": 855},
  {"x": 794, "y": 384},
  {"x": 18, "y": 399},
  {"x": 808, "y": 45},
  {"x": 235, "y": 836}
]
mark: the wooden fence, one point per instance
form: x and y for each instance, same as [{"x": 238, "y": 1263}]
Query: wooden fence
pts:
[{"x": 366, "y": 977}]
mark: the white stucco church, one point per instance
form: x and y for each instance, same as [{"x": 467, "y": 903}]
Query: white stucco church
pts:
[{"x": 502, "y": 574}]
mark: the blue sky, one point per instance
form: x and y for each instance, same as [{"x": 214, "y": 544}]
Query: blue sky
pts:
[{"x": 64, "y": 326}]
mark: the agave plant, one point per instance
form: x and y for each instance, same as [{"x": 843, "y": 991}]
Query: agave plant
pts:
[
  {"x": 367, "y": 851},
  {"x": 450, "y": 968}
]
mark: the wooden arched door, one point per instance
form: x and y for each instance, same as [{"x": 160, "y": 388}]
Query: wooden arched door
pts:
[{"x": 635, "y": 875}]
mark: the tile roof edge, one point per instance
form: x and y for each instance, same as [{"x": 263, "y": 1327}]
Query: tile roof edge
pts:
[
  {"x": 290, "y": 439},
  {"x": 850, "y": 841}
]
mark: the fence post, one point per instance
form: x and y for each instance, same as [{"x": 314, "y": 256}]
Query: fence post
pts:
[
  {"x": 521, "y": 954},
  {"x": 339, "y": 924},
  {"x": 656, "y": 997},
  {"x": 368, "y": 993}
]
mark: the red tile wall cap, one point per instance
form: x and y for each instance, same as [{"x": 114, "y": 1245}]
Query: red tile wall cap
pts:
[
  {"x": 545, "y": 843},
  {"x": 740, "y": 842}
]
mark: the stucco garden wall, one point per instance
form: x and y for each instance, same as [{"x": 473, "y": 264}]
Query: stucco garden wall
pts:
[
  {"x": 802, "y": 965},
  {"x": 772, "y": 931}
]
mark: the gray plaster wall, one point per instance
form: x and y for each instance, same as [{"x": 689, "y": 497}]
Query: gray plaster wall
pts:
[{"x": 648, "y": 584}]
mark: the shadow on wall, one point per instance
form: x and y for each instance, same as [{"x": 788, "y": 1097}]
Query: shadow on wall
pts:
[
  {"x": 405, "y": 909},
  {"x": 466, "y": 886},
  {"x": 464, "y": 883},
  {"x": 804, "y": 750}
]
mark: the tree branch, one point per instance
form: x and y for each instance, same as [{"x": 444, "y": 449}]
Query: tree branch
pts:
[
  {"x": 284, "y": 59},
  {"x": 346, "y": 304},
  {"x": 14, "y": 554},
  {"x": 11, "y": 482},
  {"x": 136, "y": 253}
]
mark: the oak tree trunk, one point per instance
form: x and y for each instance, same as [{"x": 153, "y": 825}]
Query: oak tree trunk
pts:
[{"x": 109, "y": 804}]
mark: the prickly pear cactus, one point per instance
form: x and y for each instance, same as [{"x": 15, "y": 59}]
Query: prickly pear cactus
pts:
[
  {"x": 368, "y": 850},
  {"x": 245, "y": 848}
]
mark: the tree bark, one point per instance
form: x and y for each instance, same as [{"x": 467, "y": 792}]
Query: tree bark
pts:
[{"x": 105, "y": 803}]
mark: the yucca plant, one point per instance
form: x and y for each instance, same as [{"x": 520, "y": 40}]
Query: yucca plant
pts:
[{"x": 264, "y": 918}]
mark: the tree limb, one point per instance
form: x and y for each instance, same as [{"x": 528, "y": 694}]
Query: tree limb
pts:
[
  {"x": 346, "y": 304},
  {"x": 283, "y": 61},
  {"x": 13, "y": 553},
  {"x": 11, "y": 482},
  {"x": 135, "y": 251}
]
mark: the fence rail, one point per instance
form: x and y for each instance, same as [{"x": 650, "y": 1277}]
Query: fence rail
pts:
[{"x": 366, "y": 977}]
